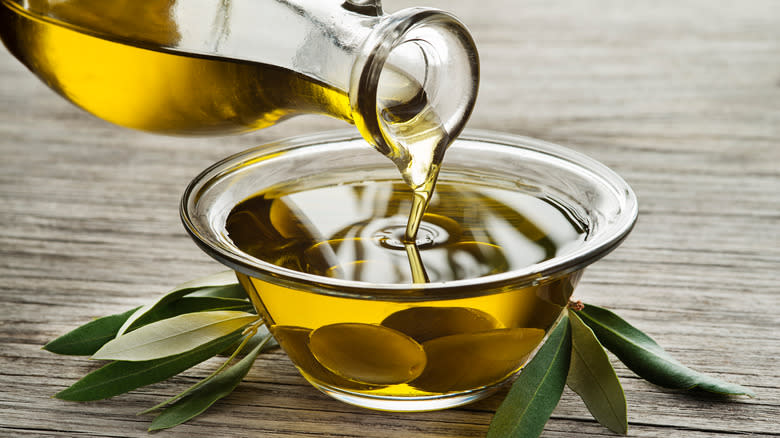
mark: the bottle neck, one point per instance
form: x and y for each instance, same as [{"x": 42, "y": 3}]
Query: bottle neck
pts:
[{"x": 416, "y": 61}]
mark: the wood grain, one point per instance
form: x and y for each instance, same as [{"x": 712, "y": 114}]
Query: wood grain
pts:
[{"x": 682, "y": 98}]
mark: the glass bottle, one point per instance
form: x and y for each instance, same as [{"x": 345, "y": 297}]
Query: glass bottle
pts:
[{"x": 213, "y": 67}]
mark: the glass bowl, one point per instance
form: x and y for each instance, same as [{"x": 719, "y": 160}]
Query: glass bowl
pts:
[{"x": 402, "y": 346}]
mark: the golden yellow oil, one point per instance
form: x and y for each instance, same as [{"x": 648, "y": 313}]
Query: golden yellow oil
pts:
[
  {"x": 114, "y": 59},
  {"x": 394, "y": 346}
]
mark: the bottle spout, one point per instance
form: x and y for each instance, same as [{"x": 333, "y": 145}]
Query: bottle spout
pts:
[
  {"x": 371, "y": 8},
  {"x": 416, "y": 78}
]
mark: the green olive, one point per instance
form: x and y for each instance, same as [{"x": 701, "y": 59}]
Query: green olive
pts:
[
  {"x": 295, "y": 341},
  {"x": 426, "y": 323},
  {"x": 472, "y": 360},
  {"x": 289, "y": 223},
  {"x": 367, "y": 353}
]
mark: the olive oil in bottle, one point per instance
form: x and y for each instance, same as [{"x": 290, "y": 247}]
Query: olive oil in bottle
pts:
[
  {"x": 158, "y": 66},
  {"x": 119, "y": 61}
]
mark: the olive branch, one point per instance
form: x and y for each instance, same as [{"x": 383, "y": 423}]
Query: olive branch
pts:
[{"x": 213, "y": 316}]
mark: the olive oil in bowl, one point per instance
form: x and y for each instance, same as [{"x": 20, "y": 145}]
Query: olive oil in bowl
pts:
[
  {"x": 393, "y": 348},
  {"x": 315, "y": 228}
]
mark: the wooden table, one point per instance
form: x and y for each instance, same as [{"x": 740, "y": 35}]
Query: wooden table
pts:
[{"x": 682, "y": 98}]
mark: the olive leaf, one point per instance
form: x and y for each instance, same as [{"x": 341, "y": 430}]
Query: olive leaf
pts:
[
  {"x": 592, "y": 377},
  {"x": 190, "y": 304},
  {"x": 88, "y": 338},
  {"x": 234, "y": 291},
  {"x": 120, "y": 376},
  {"x": 200, "y": 398},
  {"x": 640, "y": 353},
  {"x": 264, "y": 343},
  {"x": 174, "y": 335},
  {"x": 222, "y": 285},
  {"x": 537, "y": 390}
]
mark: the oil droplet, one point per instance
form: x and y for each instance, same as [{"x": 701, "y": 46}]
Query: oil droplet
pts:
[
  {"x": 368, "y": 353},
  {"x": 426, "y": 323},
  {"x": 473, "y": 360}
]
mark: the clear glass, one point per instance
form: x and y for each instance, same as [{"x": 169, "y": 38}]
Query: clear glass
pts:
[
  {"x": 494, "y": 323},
  {"x": 212, "y": 67}
]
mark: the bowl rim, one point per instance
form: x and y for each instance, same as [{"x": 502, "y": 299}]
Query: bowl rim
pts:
[{"x": 531, "y": 275}]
